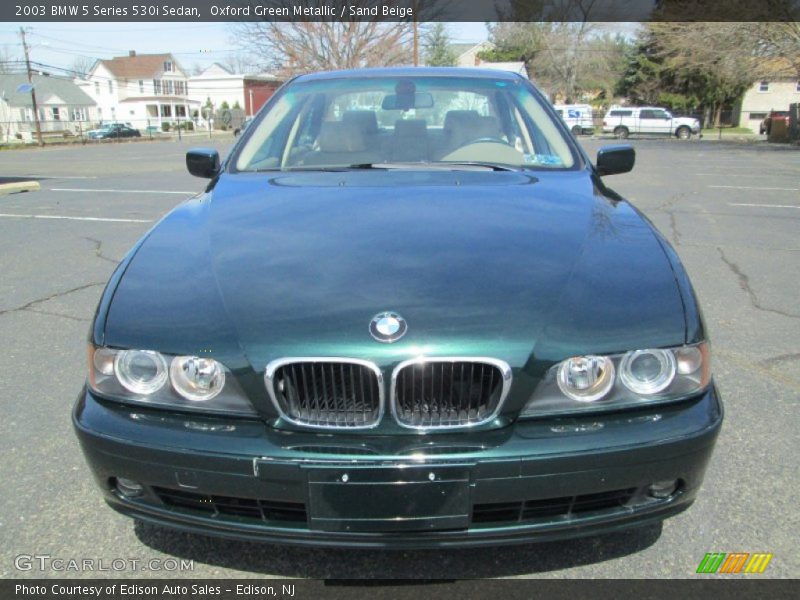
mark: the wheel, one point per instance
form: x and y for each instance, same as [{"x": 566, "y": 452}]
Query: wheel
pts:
[
  {"x": 621, "y": 132},
  {"x": 576, "y": 130},
  {"x": 683, "y": 133}
]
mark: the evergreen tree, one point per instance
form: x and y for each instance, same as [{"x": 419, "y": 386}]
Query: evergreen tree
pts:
[{"x": 436, "y": 47}]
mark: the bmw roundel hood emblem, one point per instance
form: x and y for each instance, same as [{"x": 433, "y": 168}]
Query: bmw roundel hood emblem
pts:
[{"x": 387, "y": 327}]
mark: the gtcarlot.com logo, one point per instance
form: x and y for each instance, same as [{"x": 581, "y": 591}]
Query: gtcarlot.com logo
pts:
[
  {"x": 731, "y": 563},
  {"x": 47, "y": 562}
]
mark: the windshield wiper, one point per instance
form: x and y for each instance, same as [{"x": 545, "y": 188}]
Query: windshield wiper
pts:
[
  {"x": 443, "y": 165},
  {"x": 387, "y": 166}
]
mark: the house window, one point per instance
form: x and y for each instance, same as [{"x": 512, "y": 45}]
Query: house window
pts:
[
  {"x": 797, "y": 87},
  {"x": 156, "y": 86},
  {"x": 166, "y": 110},
  {"x": 168, "y": 87},
  {"x": 110, "y": 87},
  {"x": 168, "y": 65},
  {"x": 141, "y": 86},
  {"x": 758, "y": 115},
  {"x": 78, "y": 114},
  {"x": 26, "y": 114},
  {"x": 763, "y": 86},
  {"x": 42, "y": 116},
  {"x": 180, "y": 111},
  {"x": 180, "y": 88},
  {"x": 97, "y": 87},
  {"x": 56, "y": 112}
]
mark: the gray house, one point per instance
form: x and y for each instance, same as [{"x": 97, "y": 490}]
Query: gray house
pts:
[{"x": 63, "y": 107}]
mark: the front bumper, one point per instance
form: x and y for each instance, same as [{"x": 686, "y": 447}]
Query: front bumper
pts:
[{"x": 534, "y": 480}]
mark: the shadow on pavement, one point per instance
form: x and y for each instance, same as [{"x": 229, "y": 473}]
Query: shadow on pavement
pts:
[{"x": 327, "y": 563}]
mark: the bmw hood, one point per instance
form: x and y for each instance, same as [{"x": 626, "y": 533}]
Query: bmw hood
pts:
[{"x": 508, "y": 265}]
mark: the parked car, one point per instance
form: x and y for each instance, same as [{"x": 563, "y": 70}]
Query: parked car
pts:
[
  {"x": 113, "y": 130},
  {"x": 774, "y": 115},
  {"x": 578, "y": 117},
  {"x": 446, "y": 332},
  {"x": 625, "y": 121}
]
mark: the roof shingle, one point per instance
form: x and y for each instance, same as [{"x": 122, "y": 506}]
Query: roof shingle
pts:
[{"x": 138, "y": 65}]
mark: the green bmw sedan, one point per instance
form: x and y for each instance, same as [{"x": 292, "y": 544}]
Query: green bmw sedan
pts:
[{"x": 406, "y": 312}]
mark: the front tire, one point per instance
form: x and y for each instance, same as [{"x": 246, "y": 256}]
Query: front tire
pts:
[
  {"x": 621, "y": 132},
  {"x": 683, "y": 133},
  {"x": 576, "y": 130}
]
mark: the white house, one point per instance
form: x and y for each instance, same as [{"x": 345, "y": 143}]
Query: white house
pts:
[
  {"x": 766, "y": 95},
  {"x": 64, "y": 109},
  {"x": 140, "y": 89},
  {"x": 217, "y": 84},
  {"x": 467, "y": 54}
]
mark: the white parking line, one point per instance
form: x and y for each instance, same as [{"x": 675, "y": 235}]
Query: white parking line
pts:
[
  {"x": 729, "y": 174},
  {"x": 61, "y": 176},
  {"x": 121, "y": 191},
  {"x": 744, "y": 187},
  {"x": 104, "y": 219},
  {"x": 765, "y": 205}
]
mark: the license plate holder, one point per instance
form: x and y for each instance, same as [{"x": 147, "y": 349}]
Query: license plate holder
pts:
[{"x": 387, "y": 499}]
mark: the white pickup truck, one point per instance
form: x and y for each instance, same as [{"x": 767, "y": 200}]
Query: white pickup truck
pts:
[{"x": 625, "y": 121}]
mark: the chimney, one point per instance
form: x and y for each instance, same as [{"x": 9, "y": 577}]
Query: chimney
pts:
[{"x": 131, "y": 52}]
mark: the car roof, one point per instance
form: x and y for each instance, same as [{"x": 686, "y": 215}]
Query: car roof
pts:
[{"x": 466, "y": 72}]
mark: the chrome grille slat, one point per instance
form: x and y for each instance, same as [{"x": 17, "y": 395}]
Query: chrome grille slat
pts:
[
  {"x": 322, "y": 392},
  {"x": 461, "y": 392}
]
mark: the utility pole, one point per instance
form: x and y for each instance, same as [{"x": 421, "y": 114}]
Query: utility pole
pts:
[{"x": 33, "y": 90}]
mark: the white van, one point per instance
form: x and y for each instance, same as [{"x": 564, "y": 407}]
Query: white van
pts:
[
  {"x": 627, "y": 120},
  {"x": 578, "y": 117}
]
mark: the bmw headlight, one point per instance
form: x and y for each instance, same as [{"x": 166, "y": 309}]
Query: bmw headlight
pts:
[
  {"x": 636, "y": 378},
  {"x": 179, "y": 382}
]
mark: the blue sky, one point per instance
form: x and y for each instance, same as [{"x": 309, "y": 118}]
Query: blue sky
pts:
[{"x": 59, "y": 44}]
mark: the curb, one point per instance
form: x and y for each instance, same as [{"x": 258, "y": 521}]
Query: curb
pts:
[{"x": 19, "y": 186}]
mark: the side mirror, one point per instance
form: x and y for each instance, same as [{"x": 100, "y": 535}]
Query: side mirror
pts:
[
  {"x": 612, "y": 160},
  {"x": 203, "y": 162}
]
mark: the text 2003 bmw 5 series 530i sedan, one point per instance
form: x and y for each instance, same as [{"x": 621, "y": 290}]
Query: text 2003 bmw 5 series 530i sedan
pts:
[{"x": 406, "y": 312}]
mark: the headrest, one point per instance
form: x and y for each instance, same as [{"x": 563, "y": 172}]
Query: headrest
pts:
[
  {"x": 460, "y": 118},
  {"x": 363, "y": 120},
  {"x": 336, "y": 136},
  {"x": 410, "y": 127}
]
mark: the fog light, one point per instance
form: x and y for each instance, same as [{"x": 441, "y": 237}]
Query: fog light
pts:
[
  {"x": 663, "y": 489},
  {"x": 129, "y": 488}
]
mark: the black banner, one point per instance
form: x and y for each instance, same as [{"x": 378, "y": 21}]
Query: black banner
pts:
[
  {"x": 398, "y": 10},
  {"x": 293, "y": 589}
]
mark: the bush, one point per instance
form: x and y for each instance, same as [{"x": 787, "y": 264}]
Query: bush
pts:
[
  {"x": 223, "y": 127},
  {"x": 188, "y": 126},
  {"x": 165, "y": 127}
]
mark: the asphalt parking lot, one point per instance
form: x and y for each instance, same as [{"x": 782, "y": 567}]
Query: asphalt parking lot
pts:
[{"x": 732, "y": 211}]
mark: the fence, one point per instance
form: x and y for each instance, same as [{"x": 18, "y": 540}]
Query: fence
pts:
[{"x": 66, "y": 130}]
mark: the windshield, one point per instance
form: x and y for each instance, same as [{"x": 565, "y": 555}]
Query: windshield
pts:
[{"x": 359, "y": 122}]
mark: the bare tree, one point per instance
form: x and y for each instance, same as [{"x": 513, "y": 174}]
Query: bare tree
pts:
[
  {"x": 8, "y": 63},
  {"x": 240, "y": 62},
  {"x": 303, "y": 46},
  {"x": 82, "y": 65},
  {"x": 780, "y": 42},
  {"x": 311, "y": 43},
  {"x": 557, "y": 40}
]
